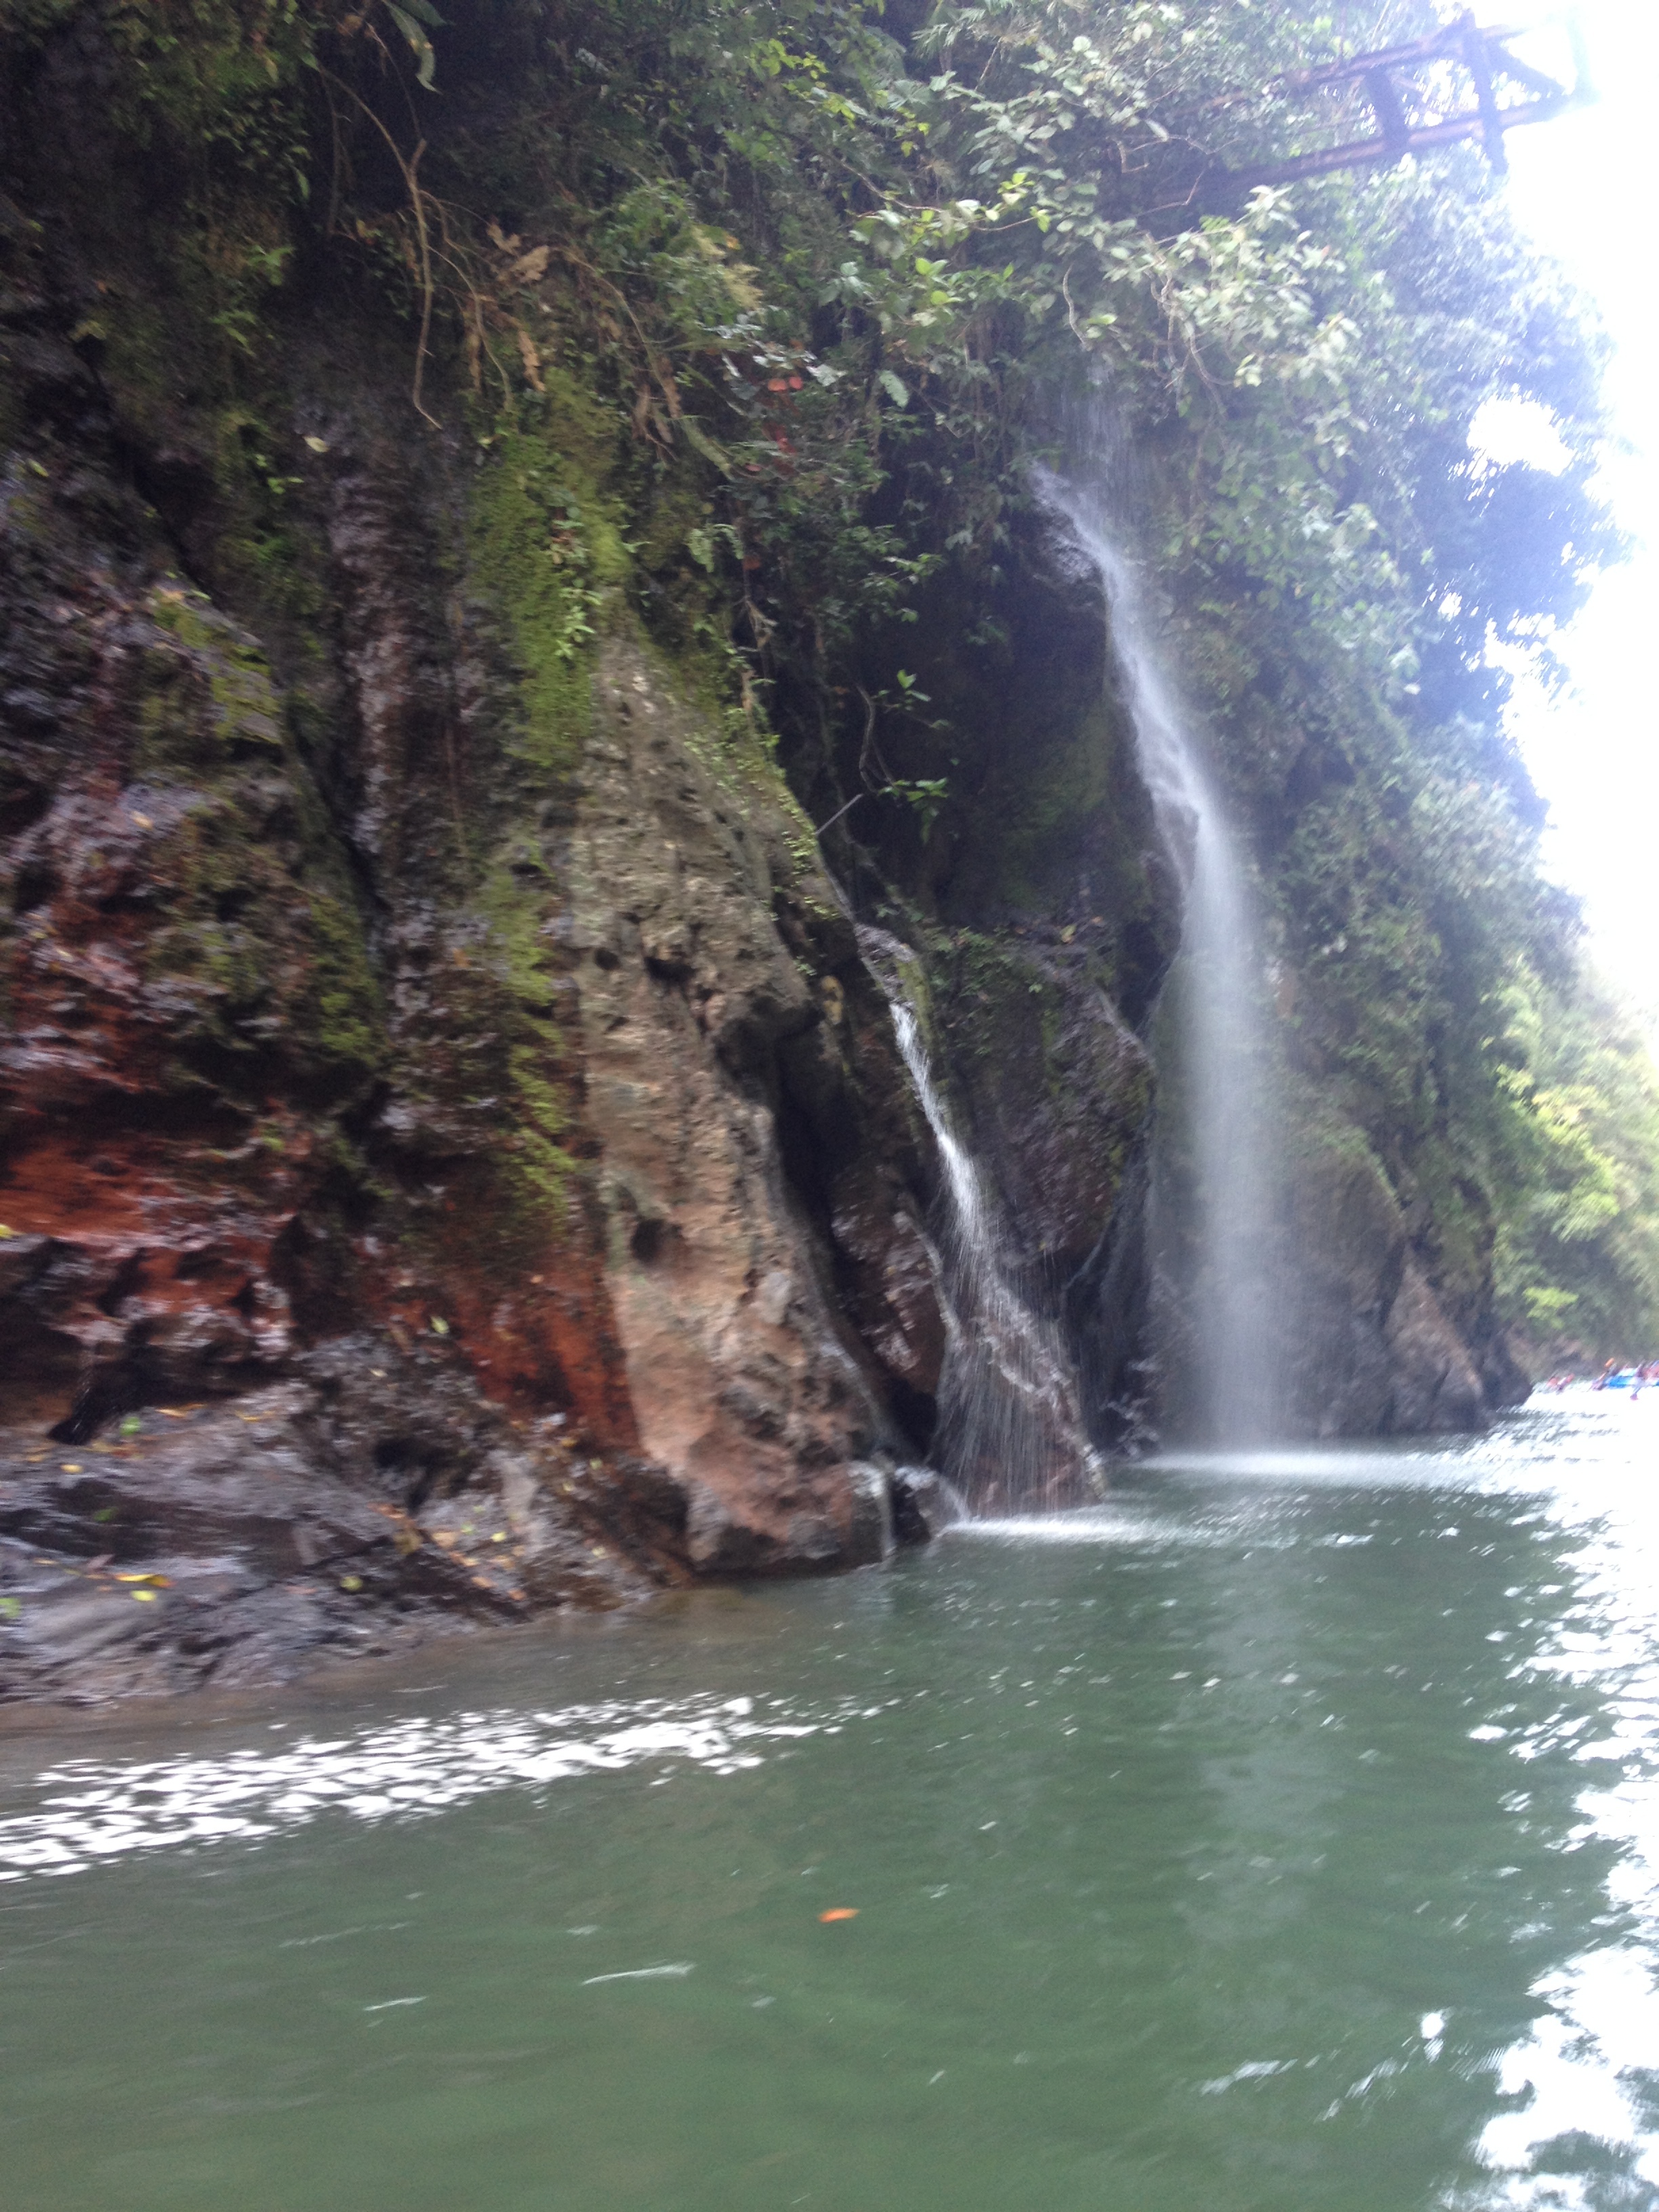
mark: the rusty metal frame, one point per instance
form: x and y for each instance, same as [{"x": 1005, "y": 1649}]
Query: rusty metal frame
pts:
[{"x": 1483, "y": 54}]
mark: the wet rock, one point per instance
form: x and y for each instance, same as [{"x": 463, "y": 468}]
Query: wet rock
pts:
[
  {"x": 845, "y": 1523},
  {"x": 1057, "y": 1090},
  {"x": 748, "y": 1384},
  {"x": 221, "y": 1491},
  {"x": 1369, "y": 1349},
  {"x": 1434, "y": 1386},
  {"x": 238, "y": 1543},
  {"x": 924, "y": 1505},
  {"x": 68, "y": 1627},
  {"x": 870, "y": 1536},
  {"x": 892, "y": 1271}
]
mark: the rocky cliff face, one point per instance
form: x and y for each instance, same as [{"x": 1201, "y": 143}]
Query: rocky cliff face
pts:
[
  {"x": 451, "y": 1165},
  {"x": 454, "y": 1157}
]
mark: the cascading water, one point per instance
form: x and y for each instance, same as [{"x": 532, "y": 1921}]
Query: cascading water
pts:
[
  {"x": 1216, "y": 1167},
  {"x": 1010, "y": 1427}
]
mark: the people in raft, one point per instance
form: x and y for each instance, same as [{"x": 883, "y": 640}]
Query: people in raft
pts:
[
  {"x": 1644, "y": 1377},
  {"x": 1615, "y": 1377}
]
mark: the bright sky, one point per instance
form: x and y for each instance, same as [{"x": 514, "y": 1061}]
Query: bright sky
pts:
[{"x": 1584, "y": 186}]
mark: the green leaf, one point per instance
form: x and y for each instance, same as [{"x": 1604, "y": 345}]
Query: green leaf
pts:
[
  {"x": 422, "y": 45},
  {"x": 897, "y": 390},
  {"x": 705, "y": 444}
]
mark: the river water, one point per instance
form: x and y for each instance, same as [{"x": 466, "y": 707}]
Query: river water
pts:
[{"x": 1277, "y": 1835}]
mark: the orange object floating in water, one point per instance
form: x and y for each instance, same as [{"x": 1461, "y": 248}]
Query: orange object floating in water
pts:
[{"x": 841, "y": 1912}]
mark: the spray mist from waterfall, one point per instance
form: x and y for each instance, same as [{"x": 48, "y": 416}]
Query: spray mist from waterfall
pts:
[{"x": 1215, "y": 1164}]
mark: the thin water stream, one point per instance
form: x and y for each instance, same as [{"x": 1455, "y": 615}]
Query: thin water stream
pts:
[
  {"x": 1280, "y": 1834},
  {"x": 1009, "y": 1426}
]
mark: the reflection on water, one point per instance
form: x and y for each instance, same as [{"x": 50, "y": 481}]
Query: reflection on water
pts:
[
  {"x": 1282, "y": 1834},
  {"x": 93, "y": 1810}
]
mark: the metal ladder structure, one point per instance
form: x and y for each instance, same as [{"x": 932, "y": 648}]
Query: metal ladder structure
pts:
[{"x": 1484, "y": 57}]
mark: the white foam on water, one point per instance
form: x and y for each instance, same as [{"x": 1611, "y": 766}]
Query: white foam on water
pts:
[
  {"x": 97, "y": 1812},
  {"x": 1323, "y": 1466},
  {"x": 676, "y": 1973},
  {"x": 1089, "y": 1525}
]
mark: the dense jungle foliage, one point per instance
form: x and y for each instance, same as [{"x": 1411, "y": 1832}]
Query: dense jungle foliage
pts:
[{"x": 816, "y": 282}]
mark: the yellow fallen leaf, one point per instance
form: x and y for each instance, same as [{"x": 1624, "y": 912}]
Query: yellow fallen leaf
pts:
[
  {"x": 143, "y": 820},
  {"x": 351, "y": 1582},
  {"x": 145, "y": 1597},
  {"x": 71, "y": 1466}
]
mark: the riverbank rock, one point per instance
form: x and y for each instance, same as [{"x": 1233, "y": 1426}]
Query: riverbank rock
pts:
[
  {"x": 1369, "y": 1349},
  {"x": 716, "y": 977},
  {"x": 924, "y": 1505},
  {"x": 356, "y": 1508}
]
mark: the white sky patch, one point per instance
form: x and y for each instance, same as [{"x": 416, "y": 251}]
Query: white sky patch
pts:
[
  {"x": 1594, "y": 756},
  {"x": 1505, "y": 432}
]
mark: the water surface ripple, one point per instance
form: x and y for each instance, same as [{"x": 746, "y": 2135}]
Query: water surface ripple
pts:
[{"x": 1282, "y": 1834}]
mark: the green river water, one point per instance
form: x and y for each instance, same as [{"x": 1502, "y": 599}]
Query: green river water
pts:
[{"x": 1276, "y": 1835}]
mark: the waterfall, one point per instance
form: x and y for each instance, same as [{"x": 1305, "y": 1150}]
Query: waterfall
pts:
[
  {"x": 1010, "y": 1426},
  {"x": 1216, "y": 1169}
]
